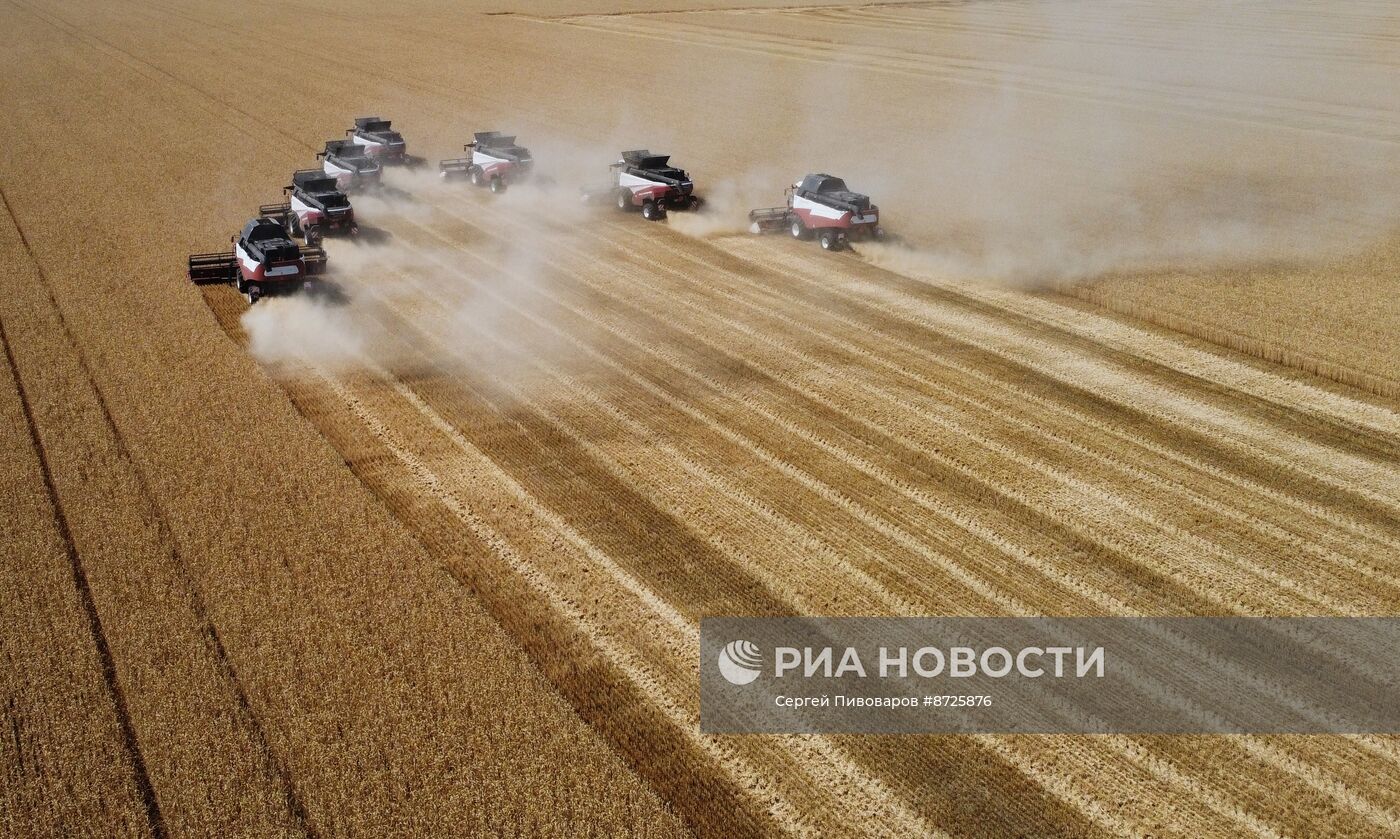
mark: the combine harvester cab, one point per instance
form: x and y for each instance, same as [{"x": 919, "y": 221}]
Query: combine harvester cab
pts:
[
  {"x": 495, "y": 161},
  {"x": 263, "y": 261},
  {"x": 821, "y": 205},
  {"x": 378, "y": 139},
  {"x": 646, "y": 180},
  {"x": 350, "y": 165},
  {"x": 315, "y": 208}
]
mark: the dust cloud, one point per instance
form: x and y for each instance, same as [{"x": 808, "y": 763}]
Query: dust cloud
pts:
[
  {"x": 1103, "y": 139},
  {"x": 436, "y": 287}
]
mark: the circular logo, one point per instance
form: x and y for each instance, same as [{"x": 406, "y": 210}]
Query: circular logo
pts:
[{"x": 740, "y": 662}]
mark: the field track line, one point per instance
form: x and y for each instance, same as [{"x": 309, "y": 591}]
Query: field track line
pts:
[
  {"x": 705, "y": 312},
  {"x": 272, "y": 762},
  {"x": 638, "y": 673},
  {"x": 946, "y": 394},
  {"x": 1362, "y": 429},
  {"x": 888, "y": 479},
  {"x": 791, "y": 302},
  {"x": 1286, "y": 761},
  {"x": 1060, "y": 365},
  {"x": 1211, "y": 368},
  {"x": 1343, "y": 472},
  {"x": 1066, "y": 792},
  {"x": 1058, "y": 475},
  {"x": 131, "y": 744},
  {"x": 697, "y": 337},
  {"x": 1162, "y": 770},
  {"x": 162, "y": 75},
  {"x": 1162, "y": 39}
]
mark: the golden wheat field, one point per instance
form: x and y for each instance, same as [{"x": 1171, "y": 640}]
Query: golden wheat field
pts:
[{"x": 431, "y": 558}]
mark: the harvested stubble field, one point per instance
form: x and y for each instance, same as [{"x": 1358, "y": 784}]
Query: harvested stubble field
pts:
[{"x": 433, "y": 560}]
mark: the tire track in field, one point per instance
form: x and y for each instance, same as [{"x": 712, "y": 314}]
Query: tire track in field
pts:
[
  {"x": 1065, "y": 380},
  {"x": 650, "y": 682},
  {"x": 1360, "y": 804},
  {"x": 770, "y": 371},
  {"x": 1154, "y": 765},
  {"x": 497, "y": 217},
  {"x": 1159, "y": 769},
  {"x": 157, "y": 73},
  {"x": 1067, "y": 480},
  {"x": 1367, "y": 432},
  {"x": 994, "y": 414},
  {"x": 130, "y": 743},
  {"x": 273, "y": 763},
  {"x": 1066, "y": 793},
  {"x": 1053, "y": 398}
]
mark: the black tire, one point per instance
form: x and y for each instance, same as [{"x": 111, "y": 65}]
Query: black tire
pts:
[
  {"x": 624, "y": 199},
  {"x": 651, "y": 211},
  {"x": 254, "y": 294},
  {"x": 830, "y": 241},
  {"x": 293, "y": 224},
  {"x": 798, "y": 229},
  {"x": 498, "y": 184},
  {"x": 475, "y": 174},
  {"x": 312, "y": 235}
]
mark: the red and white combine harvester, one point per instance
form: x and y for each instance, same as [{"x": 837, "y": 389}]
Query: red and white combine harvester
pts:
[
  {"x": 820, "y": 205},
  {"x": 264, "y": 261},
  {"x": 641, "y": 179},
  {"x": 315, "y": 208},
  {"x": 495, "y": 161},
  {"x": 379, "y": 140},
  {"x": 348, "y": 163}
]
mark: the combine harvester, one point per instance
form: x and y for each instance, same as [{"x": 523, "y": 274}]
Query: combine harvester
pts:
[
  {"x": 379, "y": 140},
  {"x": 264, "y": 261},
  {"x": 823, "y": 206},
  {"x": 315, "y": 207},
  {"x": 350, "y": 165},
  {"x": 495, "y": 161},
  {"x": 646, "y": 180}
]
